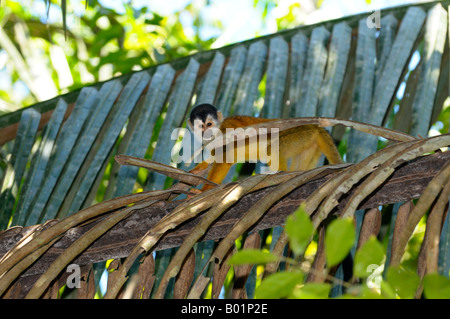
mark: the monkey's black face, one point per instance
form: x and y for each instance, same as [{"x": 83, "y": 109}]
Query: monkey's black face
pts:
[
  {"x": 204, "y": 121},
  {"x": 205, "y": 129},
  {"x": 205, "y": 124}
]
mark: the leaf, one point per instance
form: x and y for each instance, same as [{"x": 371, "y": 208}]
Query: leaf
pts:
[
  {"x": 299, "y": 48},
  {"x": 407, "y": 34},
  {"x": 178, "y": 102},
  {"x": 212, "y": 79},
  {"x": 371, "y": 253},
  {"x": 252, "y": 256},
  {"x": 387, "y": 291},
  {"x": 278, "y": 285},
  {"x": 276, "y": 77},
  {"x": 339, "y": 239},
  {"x": 67, "y": 138},
  {"x": 103, "y": 102},
  {"x": 312, "y": 291},
  {"x": 314, "y": 73},
  {"x": 139, "y": 140},
  {"x": 403, "y": 281},
  {"x": 121, "y": 111},
  {"x": 247, "y": 91},
  {"x": 231, "y": 75},
  {"x": 384, "y": 42},
  {"x": 299, "y": 229},
  {"x": 436, "y": 287},
  {"x": 245, "y": 275},
  {"x": 358, "y": 149},
  {"x": 335, "y": 71},
  {"x": 444, "y": 248},
  {"x": 23, "y": 144},
  {"x": 39, "y": 163},
  {"x": 370, "y": 293},
  {"x": 435, "y": 35}
]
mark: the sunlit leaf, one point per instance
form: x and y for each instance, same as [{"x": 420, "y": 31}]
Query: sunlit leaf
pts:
[
  {"x": 312, "y": 291},
  {"x": 278, "y": 285},
  {"x": 299, "y": 229},
  {"x": 371, "y": 253},
  {"x": 339, "y": 239},
  {"x": 436, "y": 287},
  {"x": 387, "y": 290},
  {"x": 252, "y": 256},
  {"x": 403, "y": 281}
]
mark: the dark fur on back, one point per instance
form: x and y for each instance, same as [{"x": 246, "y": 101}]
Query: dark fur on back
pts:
[{"x": 201, "y": 112}]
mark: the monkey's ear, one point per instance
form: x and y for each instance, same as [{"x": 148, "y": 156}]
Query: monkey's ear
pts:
[{"x": 219, "y": 116}]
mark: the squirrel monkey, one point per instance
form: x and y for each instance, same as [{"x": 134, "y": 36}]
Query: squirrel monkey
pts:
[{"x": 299, "y": 148}]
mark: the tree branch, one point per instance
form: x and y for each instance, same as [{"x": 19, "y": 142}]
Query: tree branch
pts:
[{"x": 407, "y": 182}]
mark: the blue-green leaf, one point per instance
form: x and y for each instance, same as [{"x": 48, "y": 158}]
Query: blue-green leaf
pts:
[
  {"x": 314, "y": 73},
  {"x": 231, "y": 76},
  {"x": 247, "y": 90}
]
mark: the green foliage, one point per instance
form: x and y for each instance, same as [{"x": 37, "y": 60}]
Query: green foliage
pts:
[
  {"x": 100, "y": 43},
  {"x": 371, "y": 253},
  {"x": 299, "y": 228},
  {"x": 339, "y": 239},
  {"x": 403, "y": 281},
  {"x": 278, "y": 285},
  {"x": 400, "y": 282},
  {"x": 252, "y": 256},
  {"x": 312, "y": 291},
  {"x": 444, "y": 118},
  {"x": 361, "y": 292},
  {"x": 78, "y": 44},
  {"x": 436, "y": 287}
]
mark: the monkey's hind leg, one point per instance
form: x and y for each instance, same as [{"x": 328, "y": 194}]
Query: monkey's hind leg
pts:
[
  {"x": 201, "y": 166},
  {"x": 217, "y": 173}
]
